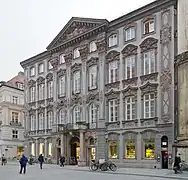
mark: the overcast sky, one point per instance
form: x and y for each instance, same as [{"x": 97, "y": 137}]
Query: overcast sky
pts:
[{"x": 28, "y": 26}]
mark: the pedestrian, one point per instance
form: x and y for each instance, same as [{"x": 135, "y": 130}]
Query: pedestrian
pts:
[
  {"x": 3, "y": 160},
  {"x": 23, "y": 164},
  {"x": 41, "y": 160},
  {"x": 62, "y": 160}
]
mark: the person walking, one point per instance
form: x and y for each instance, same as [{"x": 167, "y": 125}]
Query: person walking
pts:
[
  {"x": 62, "y": 160},
  {"x": 23, "y": 164},
  {"x": 41, "y": 160},
  {"x": 3, "y": 160}
]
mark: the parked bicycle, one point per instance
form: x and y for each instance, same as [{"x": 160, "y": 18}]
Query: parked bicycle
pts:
[{"x": 105, "y": 166}]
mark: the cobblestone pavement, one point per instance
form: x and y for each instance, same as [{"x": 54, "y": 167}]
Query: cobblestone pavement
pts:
[{"x": 49, "y": 172}]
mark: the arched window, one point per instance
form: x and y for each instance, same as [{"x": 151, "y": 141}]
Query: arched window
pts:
[
  {"x": 76, "y": 114},
  {"x": 92, "y": 46},
  {"x": 113, "y": 149},
  {"x": 93, "y": 113},
  {"x": 62, "y": 117}
]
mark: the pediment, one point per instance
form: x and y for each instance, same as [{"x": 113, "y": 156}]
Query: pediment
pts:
[
  {"x": 75, "y": 27},
  {"x": 149, "y": 43},
  {"x": 130, "y": 91},
  {"x": 113, "y": 56},
  {"x": 129, "y": 50}
]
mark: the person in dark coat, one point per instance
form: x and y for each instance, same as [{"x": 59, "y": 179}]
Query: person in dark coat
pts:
[
  {"x": 177, "y": 161},
  {"x": 3, "y": 160},
  {"x": 41, "y": 160},
  {"x": 23, "y": 164},
  {"x": 62, "y": 160}
]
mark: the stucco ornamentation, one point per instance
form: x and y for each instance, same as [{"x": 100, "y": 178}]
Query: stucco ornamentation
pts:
[
  {"x": 76, "y": 67},
  {"x": 131, "y": 82},
  {"x": 130, "y": 91},
  {"x": 92, "y": 61},
  {"x": 49, "y": 77},
  {"x": 112, "y": 56},
  {"x": 40, "y": 110},
  {"x": 149, "y": 88},
  {"x": 41, "y": 102},
  {"x": 113, "y": 125},
  {"x": 31, "y": 83},
  {"x": 49, "y": 107},
  {"x": 147, "y": 44},
  {"x": 114, "y": 85},
  {"x": 112, "y": 94},
  {"x": 76, "y": 99},
  {"x": 130, "y": 123},
  {"x": 129, "y": 50},
  {"x": 101, "y": 45},
  {"x": 61, "y": 72},
  {"x": 165, "y": 34},
  {"x": 54, "y": 62},
  {"x": 68, "y": 58},
  {"x": 84, "y": 51},
  {"x": 181, "y": 58},
  {"x": 149, "y": 77},
  {"x": 40, "y": 80},
  {"x": 166, "y": 78},
  {"x": 92, "y": 96},
  {"x": 149, "y": 122}
]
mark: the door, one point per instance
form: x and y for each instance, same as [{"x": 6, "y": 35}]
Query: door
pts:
[{"x": 164, "y": 155}]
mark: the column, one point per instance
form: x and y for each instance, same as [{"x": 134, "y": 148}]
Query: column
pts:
[
  {"x": 62, "y": 144},
  {"x": 46, "y": 120},
  {"x": 121, "y": 147},
  {"x": 139, "y": 151},
  {"x": 101, "y": 47},
  {"x": 45, "y": 148},
  {"x": 82, "y": 162},
  {"x": 37, "y": 121},
  {"x": 36, "y": 148}
]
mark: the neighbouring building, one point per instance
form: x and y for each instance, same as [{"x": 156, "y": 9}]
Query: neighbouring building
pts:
[
  {"x": 12, "y": 117},
  {"x": 106, "y": 89}
]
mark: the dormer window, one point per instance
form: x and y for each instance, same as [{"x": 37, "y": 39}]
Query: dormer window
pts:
[
  {"x": 61, "y": 59},
  {"x": 32, "y": 71},
  {"x": 92, "y": 46},
  {"x": 76, "y": 53},
  {"x": 112, "y": 40},
  {"x": 20, "y": 86},
  {"x": 41, "y": 68},
  {"x": 149, "y": 26}
]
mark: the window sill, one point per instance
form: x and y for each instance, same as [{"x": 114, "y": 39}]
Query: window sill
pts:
[
  {"x": 76, "y": 92},
  {"x": 18, "y": 124},
  {"x": 61, "y": 95},
  {"x": 130, "y": 123},
  {"x": 130, "y": 81},
  {"x": 148, "y": 34},
  {"x": 41, "y": 73},
  {"x": 149, "y": 77},
  {"x": 149, "y": 121},
  {"x": 90, "y": 52},
  {"x": 110, "y": 123},
  {"x": 92, "y": 88},
  {"x": 130, "y": 40}
]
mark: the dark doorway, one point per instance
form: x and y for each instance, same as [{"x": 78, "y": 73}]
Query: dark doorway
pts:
[
  {"x": 164, "y": 152},
  {"x": 75, "y": 150}
]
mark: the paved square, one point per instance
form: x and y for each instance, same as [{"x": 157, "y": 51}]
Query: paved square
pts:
[{"x": 11, "y": 172}]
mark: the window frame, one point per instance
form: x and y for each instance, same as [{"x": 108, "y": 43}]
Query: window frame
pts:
[
  {"x": 132, "y": 37},
  {"x": 149, "y": 52},
  {"x": 91, "y": 48},
  {"x": 149, "y": 107},
  {"x": 113, "y": 110},
  {"x": 50, "y": 89},
  {"x": 14, "y": 99},
  {"x": 76, "y": 114},
  {"x": 41, "y": 121},
  {"x": 113, "y": 73},
  {"x": 41, "y": 91},
  {"x": 76, "y": 53},
  {"x": 50, "y": 119},
  {"x": 60, "y": 59},
  {"x": 39, "y": 68},
  {"x": 15, "y": 117},
  {"x": 78, "y": 80},
  {"x": 93, "y": 113},
  {"x": 132, "y": 60},
  {"x": 112, "y": 40},
  {"x": 91, "y": 73},
  {"x": 110, "y": 142},
  {"x": 32, "y": 71},
  {"x": 15, "y": 134},
  {"x": 33, "y": 122},
  {"x": 32, "y": 94},
  {"x": 131, "y": 103},
  {"x": 62, "y": 86},
  {"x": 62, "y": 114},
  {"x": 50, "y": 67}
]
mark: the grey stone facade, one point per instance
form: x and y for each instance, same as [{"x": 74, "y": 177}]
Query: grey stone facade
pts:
[{"x": 109, "y": 90}]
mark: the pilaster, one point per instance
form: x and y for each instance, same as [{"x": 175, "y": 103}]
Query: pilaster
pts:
[
  {"x": 36, "y": 148},
  {"x": 62, "y": 144},
  {"x": 45, "y": 148}
]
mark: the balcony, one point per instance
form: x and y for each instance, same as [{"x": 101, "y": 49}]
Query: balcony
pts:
[{"x": 13, "y": 123}]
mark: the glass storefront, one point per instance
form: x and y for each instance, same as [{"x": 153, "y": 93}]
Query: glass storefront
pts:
[
  {"x": 130, "y": 150},
  {"x": 149, "y": 149},
  {"x": 113, "y": 149},
  {"x": 33, "y": 149},
  {"x": 41, "y": 148},
  {"x": 50, "y": 149},
  {"x": 92, "y": 153},
  {"x": 20, "y": 150}
]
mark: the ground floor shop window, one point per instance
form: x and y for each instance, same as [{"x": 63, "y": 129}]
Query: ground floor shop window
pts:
[
  {"x": 92, "y": 153},
  {"x": 130, "y": 149},
  {"x": 41, "y": 150},
  {"x": 20, "y": 150},
  {"x": 113, "y": 149},
  {"x": 50, "y": 149},
  {"x": 33, "y": 149},
  {"x": 149, "y": 148}
]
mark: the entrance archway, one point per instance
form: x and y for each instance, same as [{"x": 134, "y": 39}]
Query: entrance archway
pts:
[
  {"x": 75, "y": 149},
  {"x": 164, "y": 152}
]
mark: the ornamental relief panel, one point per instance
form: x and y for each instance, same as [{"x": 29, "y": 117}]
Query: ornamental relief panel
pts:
[
  {"x": 40, "y": 80},
  {"x": 54, "y": 62},
  {"x": 61, "y": 72},
  {"x": 62, "y": 102},
  {"x": 130, "y": 123},
  {"x": 130, "y": 135},
  {"x": 148, "y": 44},
  {"x": 130, "y": 91},
  {"x": 113, "y": 125},
  {"x": 31, "y": 83},
  {"x": 68, "y": 58},
  {"x": 114, "y": 85},
  {"x": 112, "y": 56},
  {"x": 41, "y": 110},
  {"x": 49, "y": 77},
  {"x": 132, "y": 82},
  {"x": 165, "y": 34},
  {"x": 84, "y": 51},
  {"x": 149, "y": 122},
  {"x": 113, "y": 94},
  {"x": 92, "y": 61},
  {"x": 149, "y": 77},
  {"x": 49, "y": 107},
  {"x": 76, "y": 67},
  {"x": 76, "y": 99},
  {"x": 92, "y": 96},
  {"x": 101, "y": 45},
  {"x": 113, "y": 136},
  {"x": 129, "y": 50},
  {"x": 149, "y": 88},
  {"x": 41, "y": 102}
]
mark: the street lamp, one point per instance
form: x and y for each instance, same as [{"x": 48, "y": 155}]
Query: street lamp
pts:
[{"x": 106, "y": 152}]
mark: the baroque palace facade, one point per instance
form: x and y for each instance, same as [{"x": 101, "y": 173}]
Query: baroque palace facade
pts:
[{"x": 105, "y": 89}]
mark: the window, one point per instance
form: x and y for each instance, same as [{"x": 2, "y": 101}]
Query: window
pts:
[
  {"x": 15, "y": 117},
  {"x": 41, "y": 68},
  {"x": 113, "y": 71},
  {"x": 14, "y": 134},
  {"x": 112, "y": 41},
  {"x": 61, "y": 59},
  {"x": 149, "y": 148},
  {"x": 20, "y": 86},
  {"x": 15, "y": 100},
  {"x": 113, "y": 110},
  {"x": 130, "y": 67},
  {"x": 113, "y": 149},
  {"x": 62, "y": 117},
  {"x": 149, "y": 62},
  {"x": 32, "y": 94},
  {"x": 32, "y": 71},
  {"x": 149, "y": 105},
  {"x": 49, "y": 65},
  {"x": 33, "y": 123},
  {"x": 92, "y": 46},
  {"x": 50, "y": 89},
  {"x": 149, "y": 26},
  {"x": 50, "y": 149},
  {"x": 62, "y": 86},
  {"x": 41, "y": 91},
  {"x": 41, "y": 121},
  {"x": 76, "y": 82},
  {"x": 93, "y": 77},
  {"x": 76, "y": 53},
  {"x": 41, "y": 148},
  {"x": 76, "y": 114},
  {"x": 130, "y": 149},
  {"x": 33, "y": 149},
  {"x": 50, "y": 119},
  {"x": 93, "y": 113},
  {"x": 130, "y": 33},
  {"x": 130, "y": 108}
]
